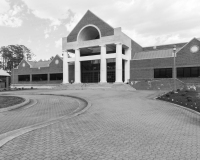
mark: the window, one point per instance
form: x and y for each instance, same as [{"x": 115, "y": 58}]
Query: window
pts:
[
  {"x": 163, "y": 73},
  {"x": 39, "y": 77},
  {"x": 56, "y": 76},
  {"x": 195, "y": 72},
  {"x": 188, "y": 72},
  {"x": 23, "y": 77},
  {"x": 180, "y": 72}
]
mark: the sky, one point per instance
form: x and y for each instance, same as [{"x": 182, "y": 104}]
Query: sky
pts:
[{"x": 40, "y": 24}]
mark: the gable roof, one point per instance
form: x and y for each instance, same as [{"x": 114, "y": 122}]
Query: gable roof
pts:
[
  {"x": 55, "y": 57},
  {"x": 165, "y": 53},
  {"x": 90, "y": 18},
  {"x": 162, "y": 47},
  {"x": 188, "y": 43},
  {"x": 39, "y": 64}
]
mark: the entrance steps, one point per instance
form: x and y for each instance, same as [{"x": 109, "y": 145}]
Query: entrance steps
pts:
[{"x": 95, "y": 86}]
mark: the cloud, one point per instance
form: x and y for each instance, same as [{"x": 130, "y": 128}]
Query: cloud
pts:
[
  {"x": 73, "y": 21},
  {"x": 4, "y": 6},
  {"x": 58, "y": 43},
  {"x": 148, "y": 19},
  {"x": 10, "y": 17}
]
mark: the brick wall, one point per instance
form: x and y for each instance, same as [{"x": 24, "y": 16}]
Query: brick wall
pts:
[
  {"x": 135, "y": 48},
  {"x": 53, "y": 68},
  {"x": 90, "y": 18},
  {"x": 186, "y": 58},
  {"x": 145, "y": 68},
  {"x": 145, "y": 73}
]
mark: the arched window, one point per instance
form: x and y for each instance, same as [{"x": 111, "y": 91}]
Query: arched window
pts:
[{"x": 89, "y": 33}]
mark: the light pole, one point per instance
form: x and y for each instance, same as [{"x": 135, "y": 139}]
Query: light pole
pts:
[{"x": 174, "y": 67}]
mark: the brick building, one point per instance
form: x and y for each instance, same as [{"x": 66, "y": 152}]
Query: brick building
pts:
[
  {"x": 30, "y": 73},
  {"x": 103, "y": 54}
]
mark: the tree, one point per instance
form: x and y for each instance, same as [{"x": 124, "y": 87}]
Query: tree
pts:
[
  {"x": 52, "y": 57},
  {"x": 13, "y": 54}
]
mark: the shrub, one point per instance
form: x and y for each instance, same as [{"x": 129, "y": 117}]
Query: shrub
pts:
[
  {"x": 183, "y": 94},
  {"x": 189, "y": 98},
  {"x": 31, "y": 87},
  {"x": 167, "y": 95},
  {"x": 172, "y": 92},
  {"x": 178, "y": 90}
]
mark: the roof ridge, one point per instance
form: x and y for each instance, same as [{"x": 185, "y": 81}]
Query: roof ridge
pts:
[
  {"x": 165, "y": 44},
  {"x": 156, "y": 50}
]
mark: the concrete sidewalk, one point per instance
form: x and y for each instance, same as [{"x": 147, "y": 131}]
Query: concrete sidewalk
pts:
[{"x": 119, "y": 125}]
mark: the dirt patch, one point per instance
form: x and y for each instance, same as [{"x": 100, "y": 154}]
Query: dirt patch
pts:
[{"x": 7, "y": 101}]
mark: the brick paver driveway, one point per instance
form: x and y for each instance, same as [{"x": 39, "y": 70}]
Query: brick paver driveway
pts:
[
  {"x": 119, "y": 125},
  {"x": 47, "y": 107}
]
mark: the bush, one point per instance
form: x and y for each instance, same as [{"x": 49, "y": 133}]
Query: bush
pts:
[
  {"x": 189, "y": 98},
  {"x": 167, "y": 95},
  {"x": 31, "y": 87},
  {"x": 183, "y": 94},
  {"x": 178, "y": 90}
]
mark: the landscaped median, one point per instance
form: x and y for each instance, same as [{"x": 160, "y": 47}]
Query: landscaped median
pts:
[
  {"x": 12, "y": 102},
  {"x": 186, "y": 98}
]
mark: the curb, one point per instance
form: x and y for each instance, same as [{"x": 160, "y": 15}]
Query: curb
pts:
[
  {"x": 15, "y": 106},
  {"x": 6, "y": 137},
  {"x": 188, "y": 109}
]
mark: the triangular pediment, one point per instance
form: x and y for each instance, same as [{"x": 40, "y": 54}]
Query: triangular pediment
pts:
[
  {"x": 90, "y": 19},
  {"x": 188, "y": 47}
]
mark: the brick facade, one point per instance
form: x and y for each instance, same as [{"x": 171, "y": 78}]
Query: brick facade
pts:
[
  {"x": 90, "y": 18},
  {"x": 27, "y": 70},
  {"x": 144, "y": 69}
]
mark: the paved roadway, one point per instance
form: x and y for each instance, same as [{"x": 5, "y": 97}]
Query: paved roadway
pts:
[{"x": 119, "y": 125}]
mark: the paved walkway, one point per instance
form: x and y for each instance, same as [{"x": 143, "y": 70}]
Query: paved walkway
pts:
[{"x": 119, "y": 125}]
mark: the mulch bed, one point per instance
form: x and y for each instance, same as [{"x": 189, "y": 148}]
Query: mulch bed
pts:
[
  {"x": 185, "y": 98},
  {"x": 7, "y": 101}
]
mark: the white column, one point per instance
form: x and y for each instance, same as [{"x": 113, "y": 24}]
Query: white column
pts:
[
  {"x": 65, "y": 68},
  {"x": 77, "y": 66},
  {"x": 127, "y": 65},
  {"x": 118, "y": 63},
  {"x": 103, "y": 69}
]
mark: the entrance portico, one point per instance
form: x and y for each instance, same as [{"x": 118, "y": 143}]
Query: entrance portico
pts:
[
  {"x": 100, "y": 53},
  {"x": 103, "y": 55}
]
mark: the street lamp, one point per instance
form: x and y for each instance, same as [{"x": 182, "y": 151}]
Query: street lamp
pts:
[{"x": 174, "y": 67}]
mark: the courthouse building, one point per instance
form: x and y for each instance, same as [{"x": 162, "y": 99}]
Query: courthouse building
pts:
[{"x": 95, "y": 52}]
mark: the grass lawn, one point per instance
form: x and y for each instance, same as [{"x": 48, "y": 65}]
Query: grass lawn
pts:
[
  {"x": 186, "y": 98},
  {"x": 7, "y": 101}
]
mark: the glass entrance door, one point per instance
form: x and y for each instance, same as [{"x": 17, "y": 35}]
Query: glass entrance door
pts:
[{"x": 90, "y": 71}]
